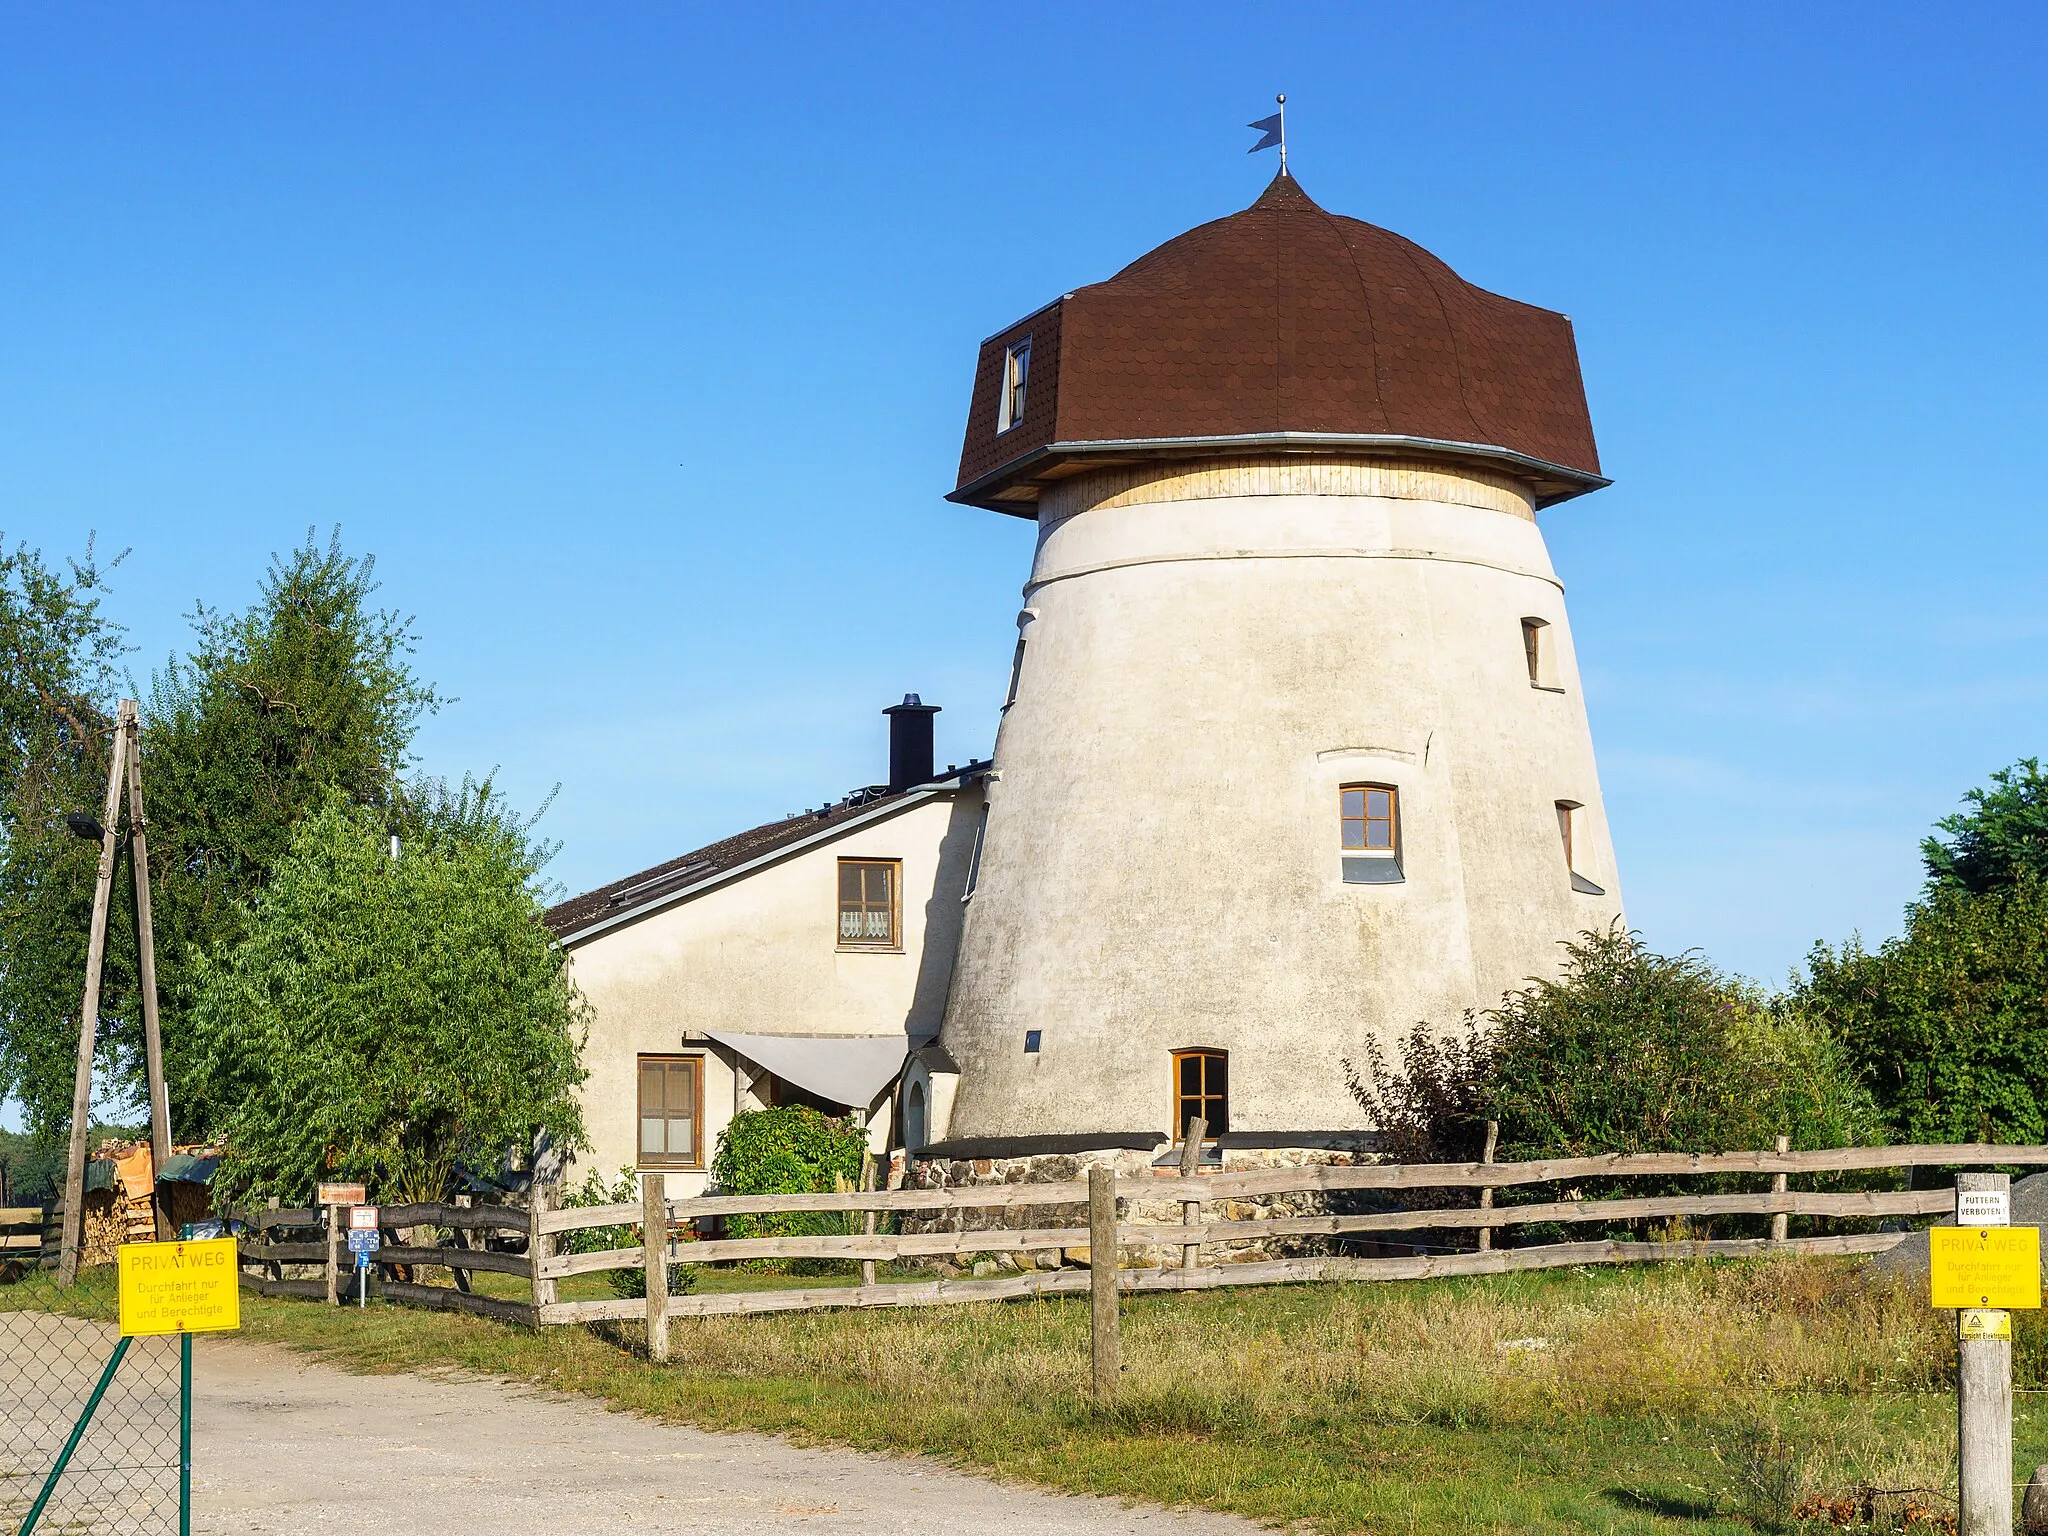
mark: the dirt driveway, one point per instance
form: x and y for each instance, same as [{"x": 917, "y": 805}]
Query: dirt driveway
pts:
[{"x": 282, "y": 1445}]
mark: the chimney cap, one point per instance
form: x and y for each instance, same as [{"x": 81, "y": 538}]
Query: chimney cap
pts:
[{"x": 912, "y": 704}]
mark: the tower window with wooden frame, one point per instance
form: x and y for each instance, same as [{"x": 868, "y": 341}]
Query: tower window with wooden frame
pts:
[
  {"x": 869, "y": 908},
  {"x": 1369, "y": 833},
  {"x": 1533, "y": 649},
  {"x": 1201, "y": 1086},
  {"x": 671, "y": 1111},
  {"x": 1016, "y": 377}
]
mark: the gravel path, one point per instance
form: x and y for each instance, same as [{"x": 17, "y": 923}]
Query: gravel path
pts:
[{"x": 280, "y": 1445}]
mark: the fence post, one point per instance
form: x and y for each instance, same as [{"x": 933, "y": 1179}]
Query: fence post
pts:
[
  {"x": 1486, "y": 1192},
  {"x": 1983, "y": 1402},
  {"x": 1778, "y": 1187},
  {"x": 654, "y": 1250},
  {"x": 1190, "y": 1165},
  {"x": 1104, "y": 1346},
  {"x": 333, "y": 1257},
  {"x": 868, "y": 1169},
  {"x": 539, "y": 1200}
]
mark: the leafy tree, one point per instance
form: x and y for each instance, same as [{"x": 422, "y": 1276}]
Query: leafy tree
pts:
[
  {"x": 1949, "y": 1021},
  {"x": 307, "y": 694},
  {"x": 2001, "y": 841},
  {"x": 59, "y": 659},
  {"x": 1626, "y": 1051},
  {"x": 390, "y": 1019}
]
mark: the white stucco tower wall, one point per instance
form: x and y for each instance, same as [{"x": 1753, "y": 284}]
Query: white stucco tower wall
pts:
[{"x": 1212, "y": 650}]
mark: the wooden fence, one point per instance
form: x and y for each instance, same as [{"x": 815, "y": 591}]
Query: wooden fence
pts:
[
  {"x": 266, "y": 1250},
  {"x": 21, "y": 1236},
  {"x": 1192, "y": 1190},
  {"x": 1113, "y": 1206}
]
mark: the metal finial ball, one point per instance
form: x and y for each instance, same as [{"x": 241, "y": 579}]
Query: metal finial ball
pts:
[{"x": 1281, "y": 98}]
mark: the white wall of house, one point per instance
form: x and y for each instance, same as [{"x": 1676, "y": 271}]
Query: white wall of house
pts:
[{"x": 760, "y": 954}]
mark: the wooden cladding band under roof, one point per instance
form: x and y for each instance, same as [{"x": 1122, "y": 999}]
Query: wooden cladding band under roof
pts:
[{"x": 1284, "y": 329}]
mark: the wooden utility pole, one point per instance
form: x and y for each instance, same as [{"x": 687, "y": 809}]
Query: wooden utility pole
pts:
[
  {"x": 1984, "y": 1389},
  {"x": 1105, "y": 1348},
  {"x": 89, "y": 1010},
  {"x": 145, "y": 951}
]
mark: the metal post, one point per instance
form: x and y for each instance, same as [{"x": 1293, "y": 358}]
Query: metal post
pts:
[
  {"x": 1984, "y": 1400},
  {"x": 1486, "y": 1194},
  {"x": 1104, "y": 1346},
  {"x": 184, "y": 1434},
  {"x": 77, "y": 1434}
]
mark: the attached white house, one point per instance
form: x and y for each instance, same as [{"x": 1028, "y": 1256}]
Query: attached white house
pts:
[{"x": 796, "y": 963}]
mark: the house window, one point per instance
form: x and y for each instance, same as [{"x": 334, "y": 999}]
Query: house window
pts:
[
  {"x": 671, "y": 1111},
  {"x": 1533, "y": 649},
  {"x": 867, "y": 904},
  {"x": 1201, "y": 1086},
  {"x": 1016, "y": 375}
]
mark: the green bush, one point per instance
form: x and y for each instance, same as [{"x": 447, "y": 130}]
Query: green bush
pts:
[
  {"x": 789, "y": 1151},
  {"x": 682, "y": 1278},
  {"x": 1626, "y": 1051}
]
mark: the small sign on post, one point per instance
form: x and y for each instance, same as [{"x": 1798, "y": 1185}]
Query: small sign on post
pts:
[
  {"x": 362, "y": 1218},
  {"x": 1985, "y": 1266},
  {"x": 342, "y": 1194},
  {"x": 1982, "y": 1267}
]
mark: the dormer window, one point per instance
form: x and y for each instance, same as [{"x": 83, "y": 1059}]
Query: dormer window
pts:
[{"x": 1016, "y": 375}]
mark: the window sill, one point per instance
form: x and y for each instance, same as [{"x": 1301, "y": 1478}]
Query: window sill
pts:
[
  {"x": 668, "y": 1167},
  {"x": 1368, "y": 870},
  {"x": 867, "y": 949},
  {"x": 1585, "y": 887},
  {"x": 1546, "y": 688}
]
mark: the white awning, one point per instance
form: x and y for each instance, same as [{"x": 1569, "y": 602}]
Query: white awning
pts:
[{"x": 847, "y": 1069}]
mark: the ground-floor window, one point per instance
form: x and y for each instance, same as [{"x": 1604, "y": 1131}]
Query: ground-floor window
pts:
[
  {"x": 671, "y": 1111},
  {"x": 1201, "y": 1086}
]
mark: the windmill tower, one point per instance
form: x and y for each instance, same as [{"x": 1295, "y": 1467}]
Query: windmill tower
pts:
[{"x": 1295, "y": 751}]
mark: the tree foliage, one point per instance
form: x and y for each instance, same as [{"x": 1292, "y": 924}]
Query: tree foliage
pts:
[
  {"x": 59, "y": 680},
  {"x": 393, "y": 1020},
  {"x": 793, "y": 1150},
  {"x": 307, "y": 694},
  {"x": 1949, "y": 1021},
  {"x": 2000, "y": 841},
  {"x": 1626, "y": 1051}
]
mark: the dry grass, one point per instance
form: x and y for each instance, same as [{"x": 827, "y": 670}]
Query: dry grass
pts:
[{"x": 1697, "y": 1397}]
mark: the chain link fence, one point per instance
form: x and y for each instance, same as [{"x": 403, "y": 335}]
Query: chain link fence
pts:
[{"x": 55, "y": 1347}]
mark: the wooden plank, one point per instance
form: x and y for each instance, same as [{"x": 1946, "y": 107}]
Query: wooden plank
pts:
[
  {"x": 21, "y": 1216},
  {"x": 438, "y": 1298},
  {"x": 473, "y": 1218},
  {"x": 283, "y": 1253},
  {"x": 22, "y": 1242},
  {"x": 1029, "y": 1239},
  {"x": 315, "y": 1289},
  {"x": 1274, "y": 1272},
  {"x": 454, "y": 1258}
]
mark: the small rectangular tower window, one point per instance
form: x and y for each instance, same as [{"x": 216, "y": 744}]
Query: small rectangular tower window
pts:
[
  {"x": 868, "y": 905},
  {"x": 1201, "y": 1086},
  {"x": 1369, "y": 821},
  {"x": 671, "y": 1111},
  {"x": 1016, "y": 375},
  {"x": 1571, "y": 827},
  {"x": 1533, "y": 648}
]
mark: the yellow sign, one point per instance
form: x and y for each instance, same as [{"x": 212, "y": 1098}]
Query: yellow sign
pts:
[
  {"x": 180, "y": 1287},
  {"x": 1985, "y": 1266},
  {"x": 1978, "y": 1323}
]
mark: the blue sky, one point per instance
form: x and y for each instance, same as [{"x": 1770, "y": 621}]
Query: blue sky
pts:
[{"x": 635, "y": 343}]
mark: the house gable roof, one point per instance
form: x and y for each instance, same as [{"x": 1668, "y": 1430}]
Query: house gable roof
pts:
[{"x": 582, "y": 918}]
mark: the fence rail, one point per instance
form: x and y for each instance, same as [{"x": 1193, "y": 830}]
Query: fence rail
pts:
[{"x": 389, "y": 1275}]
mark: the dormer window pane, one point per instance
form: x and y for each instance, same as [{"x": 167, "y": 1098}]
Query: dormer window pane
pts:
[{"x": 1016, "y": 375}]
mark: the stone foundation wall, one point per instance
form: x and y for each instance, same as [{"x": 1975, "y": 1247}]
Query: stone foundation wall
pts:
[{"x": 1129, "y": 1163}]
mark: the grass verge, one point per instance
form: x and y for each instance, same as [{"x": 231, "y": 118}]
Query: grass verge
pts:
[{"x": 1699, "y": 1398}]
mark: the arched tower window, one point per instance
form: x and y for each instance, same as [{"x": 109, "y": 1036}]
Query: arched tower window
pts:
[
  {"x": 913, "y": 1117},
  {"x": 1369, "y": 832}
]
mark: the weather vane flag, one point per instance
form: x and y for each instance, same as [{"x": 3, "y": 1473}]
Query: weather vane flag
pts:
[{"x": 1275, "y": 130}]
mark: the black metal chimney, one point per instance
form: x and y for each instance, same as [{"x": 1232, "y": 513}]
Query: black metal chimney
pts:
[{"x": 910, "y": 742}]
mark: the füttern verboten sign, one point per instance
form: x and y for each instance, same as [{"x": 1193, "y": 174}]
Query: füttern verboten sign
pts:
[{"x": 179, "y": 1287}]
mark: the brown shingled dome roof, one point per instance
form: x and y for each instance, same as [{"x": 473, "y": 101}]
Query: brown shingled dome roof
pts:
[{"x": 1290, "y": 328}]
